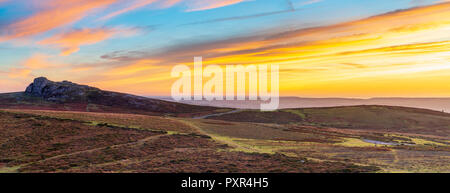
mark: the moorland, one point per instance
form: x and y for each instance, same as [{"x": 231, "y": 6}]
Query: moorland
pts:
[{"x": 44, "y": 129}]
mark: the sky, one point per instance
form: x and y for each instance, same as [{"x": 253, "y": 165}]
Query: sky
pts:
[{"x": 325, "y": 48}]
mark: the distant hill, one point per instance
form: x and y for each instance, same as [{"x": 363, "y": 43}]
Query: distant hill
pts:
[
  {"x": 65, "y": 95},
  {"x": 437, "y": 104},
  {"x": 375, "y": 118}
]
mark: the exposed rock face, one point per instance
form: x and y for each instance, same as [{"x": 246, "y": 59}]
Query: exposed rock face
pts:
[
  {"x": 59, "y": 91},
  {"x": 68, "y": 92}
]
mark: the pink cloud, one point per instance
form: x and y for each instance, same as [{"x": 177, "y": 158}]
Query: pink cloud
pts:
[
  {"x": 200, "y": 5},
  {"x": 193, "y": 5},
  {"x": 54, "y": 14},
  {"x": 135, "y": 5}
]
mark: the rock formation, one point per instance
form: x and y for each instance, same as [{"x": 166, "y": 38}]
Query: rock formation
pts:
[
  {"x": 64, "y": 91},
  {"x": 68, "y": 92}
]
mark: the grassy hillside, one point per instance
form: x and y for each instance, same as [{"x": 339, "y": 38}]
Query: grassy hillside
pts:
[
  {"x": 65, "y": 141},
  {"x": 380, "y": 118},
  {"x": 279, "y": 117},
  {"x": 60, "y": 143},
  {"x": 109, "y": 102}
]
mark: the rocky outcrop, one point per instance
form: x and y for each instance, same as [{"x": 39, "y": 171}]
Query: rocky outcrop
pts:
[
  {"x": 70, "y": 93},
  {"x": 64, "y": 91}
]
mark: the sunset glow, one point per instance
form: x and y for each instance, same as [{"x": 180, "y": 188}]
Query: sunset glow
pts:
[{"x": 380, "y": 48}]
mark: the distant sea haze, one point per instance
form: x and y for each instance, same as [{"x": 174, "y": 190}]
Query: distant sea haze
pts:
[{"x": 437, "y": 104}]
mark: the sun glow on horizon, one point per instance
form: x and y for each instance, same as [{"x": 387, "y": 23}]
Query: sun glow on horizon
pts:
[{"x": 403, "y": 53}]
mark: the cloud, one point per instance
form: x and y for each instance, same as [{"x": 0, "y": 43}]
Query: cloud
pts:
[
  {"x": 19, "y": 73},
  {"x": 418, "y": 2},
  {"x": 71, "y": 41},
  {"x": 379, "y": 47},
  {"x": 16, "y": 78},
  {"x": 340, "y": 60},
  {"x": 355, "y": 65},
  {"x": 136, "y": 4},
  {"x": 37, "y": 61},
  {"x": 51, "y": 14},
  {"x": 290, "y": 8},
  {"x": 193, "y": 5},
  {"x": 310, "y": 2},
  {"x": 243, "y": 17},
  {"x": 366, "y": 31},
  {"x": 133, "y": 68},
  {"x": 168, "y": 3},
  {"x": 201, "y": 5},
  {"x": 54, "y": 14}
]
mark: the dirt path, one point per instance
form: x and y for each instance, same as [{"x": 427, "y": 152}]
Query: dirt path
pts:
[
  {"x": 143, "y": 159},
  {"x": 220, "y": 139},
  {"x": 135, "y": 143},
  {"x": 218, "y": 114}
]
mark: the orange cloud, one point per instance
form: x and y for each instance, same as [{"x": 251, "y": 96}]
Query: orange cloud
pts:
[
  {"x": 37, "y": 61},
  {"x": 131, "y": 69},
  {"x": 71, "y": 41},
  {"x": 385, "y": 55},
  {"x": 55, "y": 14},
  {"x": 79, "y": 69},
  {"x": 387, "y": 30},
  {"x": 19, "y": 73}
]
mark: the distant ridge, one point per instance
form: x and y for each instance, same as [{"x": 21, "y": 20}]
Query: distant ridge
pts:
[
  {"x": 436, "y": 104},
  {"x": 46, "y": 94}
]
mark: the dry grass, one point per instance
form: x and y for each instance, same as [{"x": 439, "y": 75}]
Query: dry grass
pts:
[
  {"x": 31, "y": 143},
  {"x": 122, "y": 120}
]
